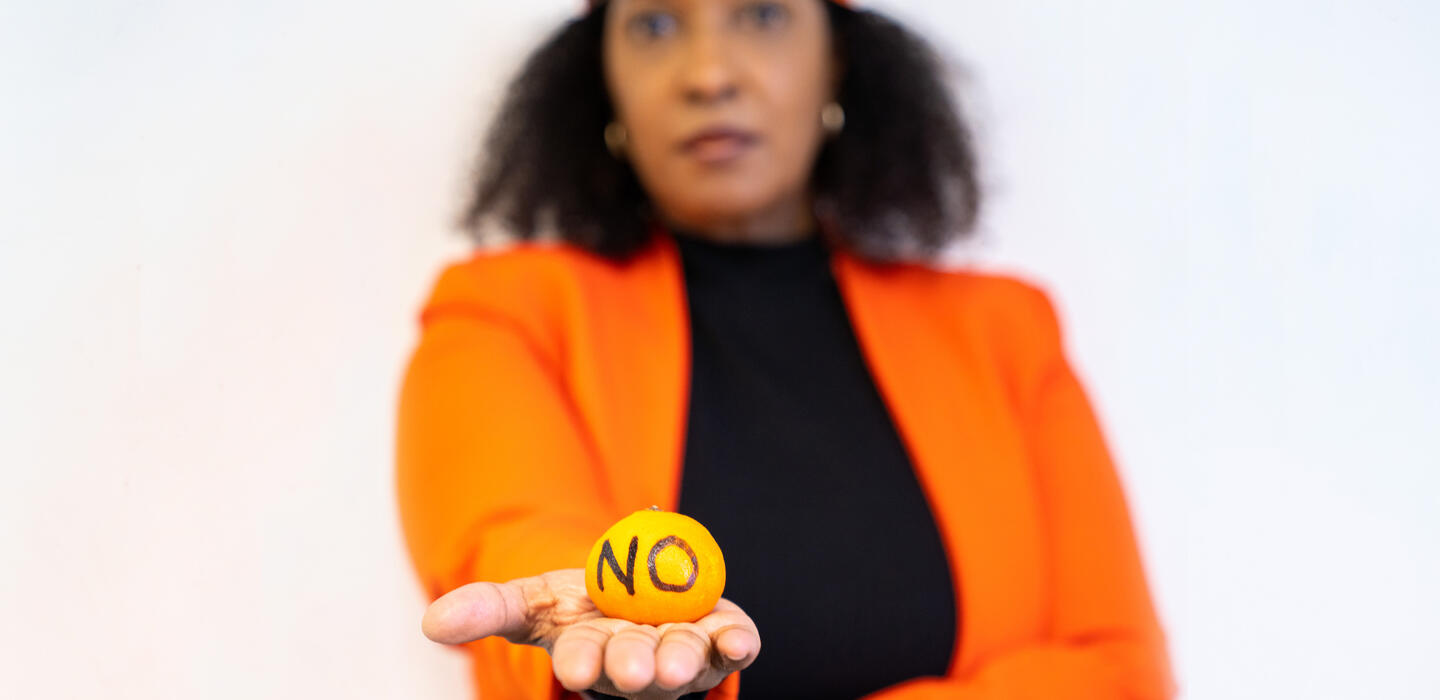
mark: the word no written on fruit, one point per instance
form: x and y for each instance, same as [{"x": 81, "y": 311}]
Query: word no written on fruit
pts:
[{"x": 627, "y": 577}]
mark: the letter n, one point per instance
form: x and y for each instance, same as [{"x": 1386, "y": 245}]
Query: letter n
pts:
[{"x": 626, "y": 577}]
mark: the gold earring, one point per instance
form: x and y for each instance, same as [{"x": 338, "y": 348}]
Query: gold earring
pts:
[
  {"x": 616, "y": 138},
  {"x": 832, "y": 118}
]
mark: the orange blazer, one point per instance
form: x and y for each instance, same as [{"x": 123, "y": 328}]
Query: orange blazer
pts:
[{"x": 547, "y": 398}]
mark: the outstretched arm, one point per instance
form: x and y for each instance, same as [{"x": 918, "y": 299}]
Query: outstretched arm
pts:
[
  {"x": 494, "y": 478},
  {"x": 497, "y": 482}
]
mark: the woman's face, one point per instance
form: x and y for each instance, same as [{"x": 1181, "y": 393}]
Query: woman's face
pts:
[{"x": 721, "y": 100}]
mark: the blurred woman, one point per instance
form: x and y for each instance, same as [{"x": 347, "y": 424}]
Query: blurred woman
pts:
[{"x": 724, "y": 301}]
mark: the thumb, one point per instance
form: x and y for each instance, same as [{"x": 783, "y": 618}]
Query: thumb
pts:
[{"x": 478, "y": 610}]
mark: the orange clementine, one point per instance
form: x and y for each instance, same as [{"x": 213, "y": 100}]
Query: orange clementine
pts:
[{"x": 654, "y": 567}]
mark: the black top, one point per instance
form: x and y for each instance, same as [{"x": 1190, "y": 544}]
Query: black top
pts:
[{"x": 793, "y": 463}]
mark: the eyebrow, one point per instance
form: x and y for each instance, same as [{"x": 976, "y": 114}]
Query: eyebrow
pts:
[{"x": 666, "y": 4}]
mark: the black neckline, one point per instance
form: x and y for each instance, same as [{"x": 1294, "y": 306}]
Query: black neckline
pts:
[{"x": 797, "y": 259}]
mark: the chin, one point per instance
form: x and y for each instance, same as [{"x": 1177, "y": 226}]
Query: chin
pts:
[
  {"x": 703, "y": 214},
  {"x": 720, "y": 201}
]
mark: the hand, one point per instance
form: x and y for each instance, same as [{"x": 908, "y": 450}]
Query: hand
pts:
[{"x": 590, "y": 651}]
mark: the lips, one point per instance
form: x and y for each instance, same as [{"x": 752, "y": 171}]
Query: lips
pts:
[{"x": 717, "y": 145}]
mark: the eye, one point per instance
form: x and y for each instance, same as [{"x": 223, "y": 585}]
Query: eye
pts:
[
  {"x": 652, "y": 24},
  {"x": 764, "y": 15}
]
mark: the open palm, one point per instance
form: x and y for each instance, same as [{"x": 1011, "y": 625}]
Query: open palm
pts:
[{"x": 590, "y": 651}]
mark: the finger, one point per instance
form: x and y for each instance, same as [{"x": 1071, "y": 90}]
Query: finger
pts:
[
  {"x": 732, "y": 634},
  {"x": 630, "y": 657},
  {"x": 684, "y": 653},
  {"x": 577, "y": 656},
  {"x": 737, "y": 647},
  {"x": 478, "y": 610}
]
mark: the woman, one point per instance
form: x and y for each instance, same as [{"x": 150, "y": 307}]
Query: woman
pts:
[{"x": 738, "y": 322}]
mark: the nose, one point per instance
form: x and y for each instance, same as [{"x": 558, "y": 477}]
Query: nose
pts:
[{"x": 708, "y": 75}]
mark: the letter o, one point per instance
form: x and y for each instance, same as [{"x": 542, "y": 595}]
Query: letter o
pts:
[{"x": 673, "y": 541}]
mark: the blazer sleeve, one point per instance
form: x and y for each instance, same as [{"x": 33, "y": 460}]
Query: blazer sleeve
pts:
[
  {"x": 1105, "y": 642},
  {"x": 494, "y": 476}
]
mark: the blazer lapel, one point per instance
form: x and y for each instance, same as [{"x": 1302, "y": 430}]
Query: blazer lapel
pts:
[
  {"x": 934, "y": 374},
  {"x": 632, "y": 377}
]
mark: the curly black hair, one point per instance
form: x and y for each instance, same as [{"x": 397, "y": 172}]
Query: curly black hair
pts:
[{"x": 899, "y": 181}]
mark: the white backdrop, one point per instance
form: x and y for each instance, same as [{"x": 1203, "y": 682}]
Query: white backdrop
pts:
[{"x": 217, "y": 221}]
